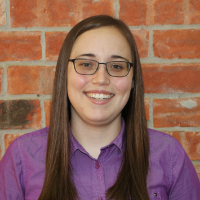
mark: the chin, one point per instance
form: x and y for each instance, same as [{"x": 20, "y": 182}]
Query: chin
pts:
[{"x": 101, "y": 120}]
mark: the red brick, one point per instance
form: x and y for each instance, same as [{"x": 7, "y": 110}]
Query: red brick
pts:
[
  {"x": 147, "y": 107},
  {"x": 176, "y": 112},
  {"x": 171, "y": 78},
  {"x": 30, "y": 79},
  {"x": 47, "y": 108},
  {"x": 20, "y": 46},
  {"x": 176, "y": 43},
  {"x": 190, "y": 142},
  {"x": 49, "y": 13},
  {"x": 142, "y": 41},
  {"x": 96, "y": 7},
  {"x": 194, "y": 12},
  {"x": 133, "y": 12},
  {"x": 168, "y": 12},
  {"x": 8, "y": 138},
  {"x": 54, "y": 41},
  {"x": 2, "y": 13},
  {"x": 175, "y": 134},
  {"x": 152, "y": 12},
  {"x": 20, "y": 114},
  {"x": 1, "y": 79}
]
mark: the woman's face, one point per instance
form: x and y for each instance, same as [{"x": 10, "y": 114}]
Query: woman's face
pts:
[{"x": 103, "y": 45}]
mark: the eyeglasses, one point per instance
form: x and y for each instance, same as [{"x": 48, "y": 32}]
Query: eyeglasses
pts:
[{"x": 89, "y": 67}]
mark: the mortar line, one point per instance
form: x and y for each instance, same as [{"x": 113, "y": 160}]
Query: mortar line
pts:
[
  {"x": 172, "y": 95},
  {"x": 148, "y": 60},
  {"x": 43, "y": 120},
  {"x": 151, "y": 112},
  {"x": 147, "y": 95},
  {"x": 31, "y": 63},
  {"x": 117, "y": 7},
  {"x": 167, "y": 27},
  {"x": 16, "y": 131},
  {"x": 67, "y": 29},
  {"x": 156, "y": 60},
  {"x": 7, "y": 13},
  {"x": 196, "y": 162},
  {"x": 61, "y": 29},
  {"x": 177, "y": 128},
  {"x": 25, "y": 97},
  {"x": 29, "y": 29}
]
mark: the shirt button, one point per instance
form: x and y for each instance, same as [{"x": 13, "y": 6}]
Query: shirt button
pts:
[
  {"x": 97, "y": 165},
  {"x": 99, "y": 198}
]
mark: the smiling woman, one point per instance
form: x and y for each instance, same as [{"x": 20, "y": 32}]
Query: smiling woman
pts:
[
  {"x": 94, "y": 111},
  {"x": 98, "y": 145}
]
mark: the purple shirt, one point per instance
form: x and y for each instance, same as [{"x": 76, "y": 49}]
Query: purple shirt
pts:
[{"x": 171, "y": 175}]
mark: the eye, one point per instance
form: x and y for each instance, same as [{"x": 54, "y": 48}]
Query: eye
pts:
[
  {"x": 86, "y": 64},
  {"x": 117, "y": 66}
]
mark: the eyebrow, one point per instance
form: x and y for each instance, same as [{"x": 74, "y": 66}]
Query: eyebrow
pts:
[
  {"x": 117, "y": 56},
  {"x": 93, "y": 56},
  {"x": 86, "y": 54}
]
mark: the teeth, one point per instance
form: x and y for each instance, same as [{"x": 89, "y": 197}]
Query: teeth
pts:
[{"x": 99, "y": 96}]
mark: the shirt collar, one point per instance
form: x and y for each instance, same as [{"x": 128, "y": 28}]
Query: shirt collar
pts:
[{"x": 118, "y": 141}]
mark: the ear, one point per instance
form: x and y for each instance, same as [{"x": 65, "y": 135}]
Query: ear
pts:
[{"x": 132, "y": 85}]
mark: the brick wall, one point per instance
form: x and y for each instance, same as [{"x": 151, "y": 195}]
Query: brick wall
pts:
[{"x": 168, "y": 37}]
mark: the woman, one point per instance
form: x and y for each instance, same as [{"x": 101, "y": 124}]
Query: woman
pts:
[{"x": 98, "y": 144}]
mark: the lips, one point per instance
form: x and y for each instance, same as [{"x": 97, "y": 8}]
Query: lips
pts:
[{"x": 99, "y": 95}]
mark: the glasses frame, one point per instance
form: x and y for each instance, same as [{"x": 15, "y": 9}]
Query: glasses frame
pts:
[{"x": 129, "y": 66}]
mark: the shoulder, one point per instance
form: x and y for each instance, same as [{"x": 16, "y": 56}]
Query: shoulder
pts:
[
  {"x": 171, "y": 171},
  {"x": 28, "y": 143},
  {"x": 154, "y": 134},
  {"x": 166, "y": 153},
  {"x": 163, "y": 142},
  {"x": 33, "y": 142},
  {"x": 166, "y": 150},
  {"x": 23, "y": 164},
  {"x": 37, "y": 135}
]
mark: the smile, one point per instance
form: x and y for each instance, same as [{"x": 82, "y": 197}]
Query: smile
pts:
[{"x": 99, "y": 96}]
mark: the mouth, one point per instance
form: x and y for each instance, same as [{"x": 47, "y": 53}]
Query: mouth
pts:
[{"x": 99, "y": 96}]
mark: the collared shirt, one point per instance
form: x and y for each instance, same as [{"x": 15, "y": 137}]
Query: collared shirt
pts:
[{"x": 171, "y": 174}]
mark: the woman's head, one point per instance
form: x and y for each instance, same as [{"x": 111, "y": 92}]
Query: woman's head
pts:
[
  {"x": 102, "y": 96},
  {"x": 93, "y": 25}
]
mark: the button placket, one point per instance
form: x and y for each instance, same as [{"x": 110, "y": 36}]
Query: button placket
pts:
[
  {"x": 97, "y": 164},
  {"x": 99, "y": 181}
]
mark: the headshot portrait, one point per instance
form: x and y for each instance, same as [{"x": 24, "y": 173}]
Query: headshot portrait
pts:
[{"x": 99, "y": 100}]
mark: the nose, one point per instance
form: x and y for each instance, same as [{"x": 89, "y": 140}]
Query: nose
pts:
[{"x": 101, "y": 76}]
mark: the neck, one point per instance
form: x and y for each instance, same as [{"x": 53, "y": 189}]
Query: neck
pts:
[{"x": 94, "y": 137}]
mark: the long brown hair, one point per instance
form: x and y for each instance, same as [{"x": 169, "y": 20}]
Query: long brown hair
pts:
[{"x": 131, "y": 180}]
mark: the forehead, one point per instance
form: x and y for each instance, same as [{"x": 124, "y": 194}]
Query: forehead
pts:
[{"x": 99, "y": 41}]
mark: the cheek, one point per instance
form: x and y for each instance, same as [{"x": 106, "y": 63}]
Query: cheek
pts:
[
  {"x": 76, "y": 83},
  {"x": 123, "y": 85}
]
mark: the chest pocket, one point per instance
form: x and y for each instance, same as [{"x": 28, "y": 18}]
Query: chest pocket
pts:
[{"x": 155, "y": 195}]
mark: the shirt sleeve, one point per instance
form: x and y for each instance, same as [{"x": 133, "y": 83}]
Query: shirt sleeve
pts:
[
  {"x": 185, "y": 184},
  {"x": 11, "y": 174}
]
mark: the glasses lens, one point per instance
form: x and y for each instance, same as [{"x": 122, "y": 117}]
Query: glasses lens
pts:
[
  {"x": 84, "y": 66},
  {"x": 119, "y": 68}
]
